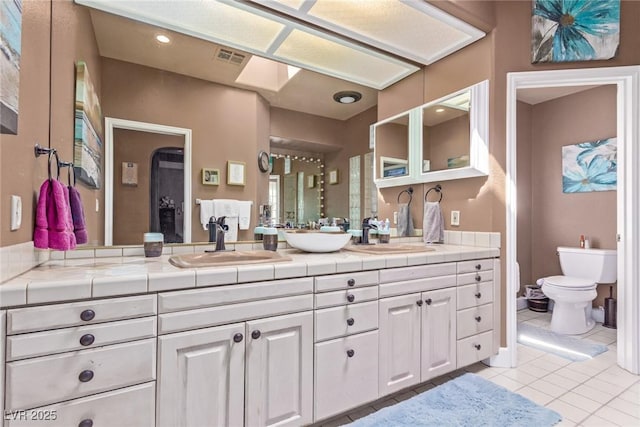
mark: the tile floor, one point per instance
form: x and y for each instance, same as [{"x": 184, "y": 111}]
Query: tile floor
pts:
[{"x": 595, "y": 392}]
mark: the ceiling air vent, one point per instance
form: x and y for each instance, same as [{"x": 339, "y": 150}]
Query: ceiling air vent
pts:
[{"x": 227, "y": 55}]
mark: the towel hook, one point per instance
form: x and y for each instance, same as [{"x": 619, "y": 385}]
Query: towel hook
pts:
[
  {"x": 437, "y": 189},
  {"x": 409, "y": 191},
  {"x": 53, "y": 153}
]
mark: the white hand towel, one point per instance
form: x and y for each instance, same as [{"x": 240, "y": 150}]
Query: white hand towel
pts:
[
  {"x": 232, "y": 234},
  {"x": 244, "y": 209},
  {"x": 405, "y": 221},
  {"x": 225, "y": 207},
  {"x": 206, "y": 212},
  {"x": 433, "y": 223}
]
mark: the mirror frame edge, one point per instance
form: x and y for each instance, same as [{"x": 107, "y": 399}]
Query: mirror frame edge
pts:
[{"x": 112, "y": 123}]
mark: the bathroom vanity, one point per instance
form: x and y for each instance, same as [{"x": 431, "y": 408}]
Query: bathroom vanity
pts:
[{"x": 135, "y": 341}]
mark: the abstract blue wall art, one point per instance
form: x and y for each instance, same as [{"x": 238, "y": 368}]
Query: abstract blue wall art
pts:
[
  {"x": 590, "y": 166},
  {"x": 10, "y": 51},
  {"x": 87, "y": 144},
  {"x": 574, "y": 30}
]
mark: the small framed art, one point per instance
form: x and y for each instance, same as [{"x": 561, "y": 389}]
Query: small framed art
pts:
[
  {"x": 333, "y": 176},
  {"x": 210, "y": 176},
  {"x": 236, "y": 173},
  {"x": 311, "y": 181}
]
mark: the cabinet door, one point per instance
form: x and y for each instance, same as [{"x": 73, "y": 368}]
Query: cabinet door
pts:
[
  {"x": 399, "y": 365},
  {"x": 438, "y": 333},
  {"x": 201, "y": 377},
  {"x": 279, "y": 371}
]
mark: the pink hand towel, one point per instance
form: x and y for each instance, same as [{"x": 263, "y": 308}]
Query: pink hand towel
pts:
[
  {"x": 54, "y": 226},
  {"x": 77, "y": 214}
]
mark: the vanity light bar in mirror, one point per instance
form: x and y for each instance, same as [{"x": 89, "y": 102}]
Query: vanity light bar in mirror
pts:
[
  {"x": 412, "y": 29},
  {"x": 271, "y": 36}
]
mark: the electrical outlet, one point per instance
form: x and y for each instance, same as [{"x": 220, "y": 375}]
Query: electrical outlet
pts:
[
  {"x": 395, "y": 217},
  {"x": 97, "y": 205},
  {"x": 455, "y": 217},
  {"x": 16, "y": 212}
]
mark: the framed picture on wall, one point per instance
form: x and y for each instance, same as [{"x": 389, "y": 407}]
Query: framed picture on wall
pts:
[
  {"x": 236, "y": 173},
  {"x": 311, "y": 181},
  {"x": 333, "y": 176},
  {"x": 210, "y": 176}
]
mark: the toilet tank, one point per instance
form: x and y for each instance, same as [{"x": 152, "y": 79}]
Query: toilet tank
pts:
[{"x": 599, "y": 265}]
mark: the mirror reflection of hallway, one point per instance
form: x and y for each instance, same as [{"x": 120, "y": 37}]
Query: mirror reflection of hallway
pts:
[
  {"x": 137, "y": 207},
  {"x": 167, "y": 193}
]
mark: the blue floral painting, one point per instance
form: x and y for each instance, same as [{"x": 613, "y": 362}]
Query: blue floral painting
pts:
[
  {"x": 590, "y": 166},
  {"x": 574, "y": 30}
]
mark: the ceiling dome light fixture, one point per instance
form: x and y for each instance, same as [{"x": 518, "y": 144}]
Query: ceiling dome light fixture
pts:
[
  {"x": 162, "y": 38},
  {"x": 347, "y": 97},
  {"x": 440, "y": 110}
]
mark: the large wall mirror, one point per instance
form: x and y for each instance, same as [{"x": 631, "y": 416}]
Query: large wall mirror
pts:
[
  {"x": 441, "y": 140},
  {"x": 222, "y": 96}
]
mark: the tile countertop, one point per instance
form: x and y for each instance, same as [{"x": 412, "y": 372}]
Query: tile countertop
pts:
[{"x": 74, "y": 279}]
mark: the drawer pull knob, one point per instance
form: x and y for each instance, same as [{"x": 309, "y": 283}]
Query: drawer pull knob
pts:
[
  {"x": 350, "y": 353},
  {"x": 477, "y": 346},
  {"x": 478, "y": 278},
  {"x": 351, "y": 282},
  {"x": 87, "y": 339},
  {"x": 478, "y": 319},
  {"x": 238, "y": 337},
  {"x": 428, "y": 301},
  {"x": 87, "y": 315},
  {"x": 350, "y": 321},
  {"x": 86, "y": 423},
  {"x": 85, "y": 376},
  {"x": 478, "y": 266},
  {"x": 419, "y": 302},
  {"x": 478, "y": 295},
  {"x": 351, "y": 297},
  {"x": 255, "y": 335}
]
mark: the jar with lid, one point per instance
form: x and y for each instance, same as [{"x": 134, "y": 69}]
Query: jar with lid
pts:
[
  {"x": 153, "y": 244},
  {"x": 270, "y": 239}
]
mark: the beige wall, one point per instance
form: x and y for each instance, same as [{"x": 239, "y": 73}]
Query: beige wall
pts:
[{"x": 21, "y": 173}]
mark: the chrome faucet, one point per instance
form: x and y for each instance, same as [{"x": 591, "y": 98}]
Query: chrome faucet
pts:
[{"x": 366, "y": 226}]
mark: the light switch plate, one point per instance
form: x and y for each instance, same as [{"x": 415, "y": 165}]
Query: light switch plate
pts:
[
  {"x": 455, "y": 217},
  {"x": 395, "y": 217},
  {"x": 16, "y": 212}
]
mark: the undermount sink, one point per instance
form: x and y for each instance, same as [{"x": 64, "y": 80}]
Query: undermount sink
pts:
[
  {"x": 220, "y": 258},
  {"x": 388, "y": 249}
]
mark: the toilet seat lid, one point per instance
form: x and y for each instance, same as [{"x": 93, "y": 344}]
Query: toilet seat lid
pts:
[{"x": 570, "y": 282}]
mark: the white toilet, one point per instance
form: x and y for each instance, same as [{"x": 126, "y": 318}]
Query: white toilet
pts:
[{"x": 573, "y": 293}]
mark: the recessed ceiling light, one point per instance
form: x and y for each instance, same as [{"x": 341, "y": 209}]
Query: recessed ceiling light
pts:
[
  {"x": 347, "y": 97},
  {"x": 162, "y": 38},
  {"x": 440, "y": 110}
]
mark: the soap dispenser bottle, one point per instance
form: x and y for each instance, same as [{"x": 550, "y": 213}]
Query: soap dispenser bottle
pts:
[{"x": 582, "y": 241}]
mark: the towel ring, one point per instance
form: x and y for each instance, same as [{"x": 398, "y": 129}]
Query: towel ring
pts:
[
  {"x": 437, "y": 189},
  {"x": 51, "y": 154},
  {"x": 70, "y": 169},
  {"x": 409, "y": 191}
]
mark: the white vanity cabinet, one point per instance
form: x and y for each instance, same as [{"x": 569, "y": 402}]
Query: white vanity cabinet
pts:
[
  {"x": 97, "y": 367},
  {"x": 417, "y": 335},
  {"x": 346, "y": 342},
  {"x": 255, "y": 371}
]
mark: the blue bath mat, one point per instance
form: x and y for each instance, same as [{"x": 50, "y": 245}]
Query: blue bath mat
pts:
[
  {"x": 565, "y": 346},
  {"x": 468, "y": 400}
]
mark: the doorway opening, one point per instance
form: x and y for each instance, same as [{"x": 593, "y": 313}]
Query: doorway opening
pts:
[{"x": 166, "y": 188}]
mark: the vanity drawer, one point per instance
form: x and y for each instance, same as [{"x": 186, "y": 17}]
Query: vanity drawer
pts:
[
  {"x": 346, "y": 281},
  {"x": 475, "y": 265},
  {"x": 474, "y": 348},
  {"x": 419, "y": 272},
  {"x": 126, "y": 407},
  {"x": 474, "y": 320},
  {"x": 474, "y": 295},
  {"x": 419, "y": 285},
  {"x": 221, "y": 295},
  {"x": 73, "y": 314},
  {"x": 44, "y": 380},
  {"x": 346, "y": 320},
  {"x": 357, "y": 295},
  {"x": 346, "y": 373},
  {"x": 477, "y": 277},
  {"x": 78, "y": 338}
]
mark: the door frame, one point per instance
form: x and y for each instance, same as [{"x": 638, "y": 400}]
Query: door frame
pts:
[
  {"x": 113, "y": 123},
  {"x": 627, "y": 80}
]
